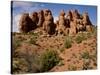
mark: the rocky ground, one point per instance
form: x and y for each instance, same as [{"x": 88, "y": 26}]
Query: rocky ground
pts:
[{"x": 34, "y": 52}]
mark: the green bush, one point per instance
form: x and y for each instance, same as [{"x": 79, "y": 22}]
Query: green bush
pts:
[
  {"x": 89, "y": 35},
  {"x": 61, "y": 63},
  {"x": 48, "y": 60},
  {"x": 33, "y": 40},
  {"x": 72, "y": 68},
  {"x": 33, "y": 37},
  {"x": 94, "y": 30},
  {"x": 35, "y": 63},
  {"x": 85, "y": 55},
  {"x": 16, "y": 42},
  {"x": 32, "y": 33},
  {"x": 19, "y": 66},
  {"x": 80, "y": 37},
  {"x": 68, "y": 42},
  {"x": 62, "y": 49}
]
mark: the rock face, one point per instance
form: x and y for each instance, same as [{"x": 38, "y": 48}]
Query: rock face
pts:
[
  {"x": 86, "y": 20},
  {"x": 34, "y": 18},
  {"x": 75, "y": 14},
  {"x": 73, "y": 27},
  {"x": 41, "y": 18},
  {"x": 61, "y": 22},
  {"x": 25, "y": 23},
  {"x": 48, "y": 24},
  {"x": 69, "y": 23},
  {"x": 69, "y": 15}
]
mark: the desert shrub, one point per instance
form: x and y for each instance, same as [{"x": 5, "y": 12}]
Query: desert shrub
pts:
[
  {"x": 68, "y": 42},
  {"x": 94, "y": 30},
  {"x": 93, "y": 33},
  {"x": 85, "y": 55},
  {"x": 94, "y": 56},
  {"x": 72, "y": 68},
  {"x": 32, "y": 33},
  {"x": 80, "y": 37},
  {"x": 62, "y": 49},
  {"x": 48, "y": 60},
  {"x": 87, "y": 58},
  {"x": 32, "y": 40},
  {"x": 34, "y": 63},
  {"x": 19, "y": 66},
  {"x": 89, "y": 35},
  {"x": 86, "y": 65},
  {"x": 16, "y": 42},
  {"x": 24, "y": 66},
  {"x": 61, "y": 63},
  {"x": 33, "y": 37}
]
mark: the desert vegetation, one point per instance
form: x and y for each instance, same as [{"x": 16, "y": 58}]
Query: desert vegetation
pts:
[{"x": 68, "y": 42}]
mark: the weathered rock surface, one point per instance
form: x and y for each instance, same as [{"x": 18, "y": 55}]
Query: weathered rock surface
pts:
[
  {"x": 48, "y": 24},
  {"x": 70, "y": 23},
  {"x": 41, "y": 18},
  {"x": 25, "y": 23},
  {"x": 61, "y": 22}
]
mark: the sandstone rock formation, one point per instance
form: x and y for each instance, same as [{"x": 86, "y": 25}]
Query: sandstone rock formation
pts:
[
  {"x": 61, "y": 23},
  {"x": 86, "y": 20},
  {"x": 34, "y": 17},
  {"x": 75, "y": 14},
  {"x": 89, "y": 28},
  {"x": 25, "y": 23},
  {"x": 48, "y": 24},
  {"x": 41, "y": 18},
  {"x": 69, "y": 15},
  {"x": 73, "y": 28},
  {"x": 68, "y": 24}
]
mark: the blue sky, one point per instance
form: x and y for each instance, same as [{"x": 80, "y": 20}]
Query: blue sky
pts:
[{"x": 19, "y": 7}]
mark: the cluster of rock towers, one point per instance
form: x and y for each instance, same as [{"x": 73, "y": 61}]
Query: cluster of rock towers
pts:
[{"x": 71, "y": 22}]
